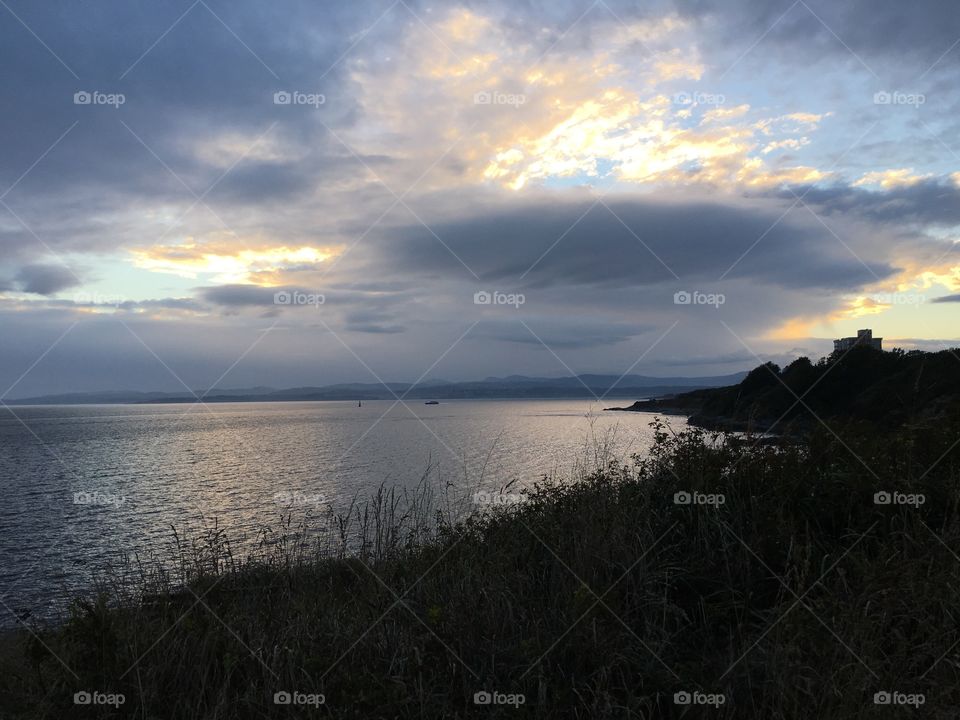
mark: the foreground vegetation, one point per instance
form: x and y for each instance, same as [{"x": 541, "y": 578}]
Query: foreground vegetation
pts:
[{"x": 785, "y": 588}]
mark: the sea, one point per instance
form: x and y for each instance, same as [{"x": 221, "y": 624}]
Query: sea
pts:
[{"x": 88, "y": 489}]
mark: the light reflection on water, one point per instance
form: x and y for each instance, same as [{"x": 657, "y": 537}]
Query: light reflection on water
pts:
[{"x": 147, "y": 468}]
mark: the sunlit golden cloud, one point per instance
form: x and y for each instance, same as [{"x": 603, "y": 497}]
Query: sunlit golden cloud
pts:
[
  {"x": 223, "y": 264},
  {"x": 887, "y": 179},
  {"x": 520, "y": 117}
]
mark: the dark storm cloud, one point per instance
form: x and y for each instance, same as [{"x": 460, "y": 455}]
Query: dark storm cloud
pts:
[
  {"x": 163, "y": 304},
  {"x": 916, "y": 34},
  {"x": 45, "y": 279},
  {"x": 947, "y": 299},
  {"x": 638, "y": 241},
  {"x": 932, "y": 202},
  {"x": 238, "y": 295},
  {"x": 183, "y": 82}
]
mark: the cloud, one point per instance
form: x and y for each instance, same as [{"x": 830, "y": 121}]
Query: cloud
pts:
[
  {"x": 887, "y": 179},
  {"x": 557, "y": 333},
  {"x": 46, "y": 279},
  {"x": 947, "y": 299},
  {"x": 640, "y": 240}
]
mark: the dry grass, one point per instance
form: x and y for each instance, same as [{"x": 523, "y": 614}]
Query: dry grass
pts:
[{"x": 798, "y": 597}]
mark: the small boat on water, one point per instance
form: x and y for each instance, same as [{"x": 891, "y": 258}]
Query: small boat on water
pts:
[{"x": 431, "y": 402}]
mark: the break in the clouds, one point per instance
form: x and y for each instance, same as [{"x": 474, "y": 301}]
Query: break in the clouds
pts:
[{"x": 337, "y": 192}]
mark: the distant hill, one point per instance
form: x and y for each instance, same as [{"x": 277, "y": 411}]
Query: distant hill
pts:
[
  {"x": 887, "y": 389},
  {"x": 514, "y": 386}
]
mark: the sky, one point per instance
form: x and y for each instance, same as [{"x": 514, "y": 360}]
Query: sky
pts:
[{"x": 210, "y": 193}]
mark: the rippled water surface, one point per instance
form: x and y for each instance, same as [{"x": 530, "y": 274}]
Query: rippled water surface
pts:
[{"x": 138, "y": 470}]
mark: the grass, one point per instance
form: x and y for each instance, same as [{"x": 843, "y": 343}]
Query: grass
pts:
[{"x": 797, "y": 597}]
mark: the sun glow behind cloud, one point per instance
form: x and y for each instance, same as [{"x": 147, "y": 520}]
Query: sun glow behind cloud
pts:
[
  {"x": 225, "y": 265},
  {"x": 630, "y": 113}
]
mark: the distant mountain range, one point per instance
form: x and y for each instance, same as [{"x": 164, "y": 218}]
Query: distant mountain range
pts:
[{"x": 513, "y": 386}]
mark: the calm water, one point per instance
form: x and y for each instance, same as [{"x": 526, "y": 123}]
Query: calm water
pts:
[{"x": 84, "y": 485}]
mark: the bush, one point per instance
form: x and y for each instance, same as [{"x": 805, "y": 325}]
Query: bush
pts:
[{"x": 713, "y": 567}]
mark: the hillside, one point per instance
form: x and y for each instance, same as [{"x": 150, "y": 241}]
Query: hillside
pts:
[{"x": 888, "y": 389}]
